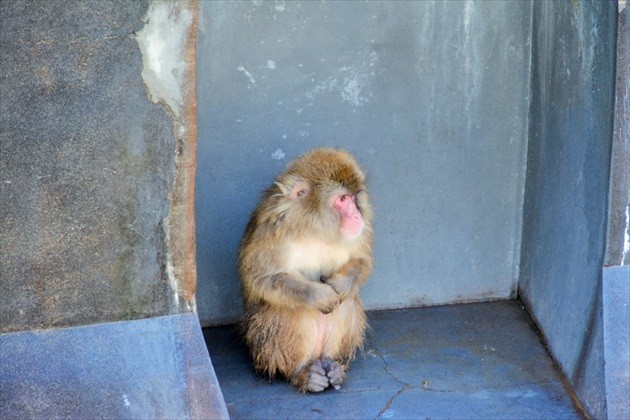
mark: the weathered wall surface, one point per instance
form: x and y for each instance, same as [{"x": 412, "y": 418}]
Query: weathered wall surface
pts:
[
  {"x": 564, "y": 221},
  {"x": 432, "y": 98},
  {"x": 97, "y": 129},
  {"x": 87, "y": 168},
  {"x": 616, "y": 273},
  {"x": 618, "y": 232}
]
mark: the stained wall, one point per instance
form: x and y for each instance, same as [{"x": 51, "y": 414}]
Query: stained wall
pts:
[{"x": 432, "y": 98}]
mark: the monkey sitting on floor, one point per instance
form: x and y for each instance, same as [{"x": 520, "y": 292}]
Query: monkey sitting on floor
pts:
[{"x": 305, "y": 252}]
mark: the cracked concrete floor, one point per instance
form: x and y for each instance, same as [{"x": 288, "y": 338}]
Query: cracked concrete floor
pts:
[{"x": 481, "y": 360}]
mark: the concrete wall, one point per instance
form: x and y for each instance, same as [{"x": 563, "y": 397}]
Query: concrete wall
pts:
[
  {"x": 97, "y": 129},
  {"x": 564, "y": 228},
  {"x": 89, "y": 171},
  {"x": 432, "y": 97},
  {"x": 616, "y": 273}
]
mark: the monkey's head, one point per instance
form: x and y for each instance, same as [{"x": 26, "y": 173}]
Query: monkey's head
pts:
[{"x": 323, "y": 193}]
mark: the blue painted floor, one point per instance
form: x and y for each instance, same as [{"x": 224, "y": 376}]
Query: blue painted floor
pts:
[{"x": 481, "y": 360}]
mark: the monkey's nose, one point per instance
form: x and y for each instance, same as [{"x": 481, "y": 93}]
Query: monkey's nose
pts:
[{"x": 346, "y": 197}]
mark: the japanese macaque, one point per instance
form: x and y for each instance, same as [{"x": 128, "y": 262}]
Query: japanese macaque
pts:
[{"x": 305, "y": 252}]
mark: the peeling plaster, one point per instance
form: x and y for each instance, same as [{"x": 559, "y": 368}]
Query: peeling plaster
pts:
[{"x": 162, "y": 42}]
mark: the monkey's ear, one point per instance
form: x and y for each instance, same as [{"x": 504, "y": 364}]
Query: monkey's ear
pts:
[
  {"x": 295, "y": 188},
  {"x": 299, "y": 190}
]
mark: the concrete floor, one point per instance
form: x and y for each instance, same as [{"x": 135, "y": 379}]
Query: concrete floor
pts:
[{"x": 480, "y": 360}]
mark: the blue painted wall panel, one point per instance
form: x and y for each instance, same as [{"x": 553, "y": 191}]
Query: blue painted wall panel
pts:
[
  {"x": 568, "y": 163},
  {"x": 432, "y": 98}
]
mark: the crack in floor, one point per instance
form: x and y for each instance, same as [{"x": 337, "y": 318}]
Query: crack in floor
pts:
[
  {"x": 425, "y": 384},
  {"x": 404, "y": 387},
  {"x": 389, "y": 402}
]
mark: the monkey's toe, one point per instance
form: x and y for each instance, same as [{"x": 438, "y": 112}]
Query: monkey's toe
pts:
[
  {"x": 334, "y": 372},
  {"x": 317, "y": 379}
]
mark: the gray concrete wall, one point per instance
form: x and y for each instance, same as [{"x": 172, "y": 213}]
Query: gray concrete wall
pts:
[
  {"x": 564, "y": 228},
  {"x": 432, "y": 97},
  {"x": 97, "y": 130},
  {"x": 616, "y": 273},
  {"x": 88, "y": 169},
  {"x": 618, "y": 232}
]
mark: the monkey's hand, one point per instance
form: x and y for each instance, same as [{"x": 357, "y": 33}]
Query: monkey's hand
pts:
[
  {"x": 347, "y": 280},
  {"x": 292, "y": 290},
  {"x": 324, "y": 298}
]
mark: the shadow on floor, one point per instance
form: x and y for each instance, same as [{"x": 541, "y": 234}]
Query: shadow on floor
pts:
[{"x": 481, "y": 360}]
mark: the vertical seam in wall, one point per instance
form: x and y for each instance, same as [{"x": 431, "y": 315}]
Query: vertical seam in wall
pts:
[
  {"x": 182, "y": 226},
  {"x": 169, "y": 76},
  {"x": 522, "y": 182},
  {"x": 190, "y": 115},
  {"x": 619, "y": 153}
]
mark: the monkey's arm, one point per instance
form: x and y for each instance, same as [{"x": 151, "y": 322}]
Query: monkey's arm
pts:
[
  {"x": 291, "y": 290},
  {"x": 350, "y": 276}
]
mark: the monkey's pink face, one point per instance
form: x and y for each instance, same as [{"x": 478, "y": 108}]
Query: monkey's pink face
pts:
[
  {"x": 351, "y": 222},
  {"x": 334, "y": 206}
]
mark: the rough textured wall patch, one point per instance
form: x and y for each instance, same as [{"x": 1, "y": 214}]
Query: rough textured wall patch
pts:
[{"x": 94, "y": 176}]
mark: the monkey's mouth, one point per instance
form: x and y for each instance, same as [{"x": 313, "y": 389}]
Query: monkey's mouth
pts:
[
  {"x": 351, "y": 223},
  {"x": 350, "y": 228}
]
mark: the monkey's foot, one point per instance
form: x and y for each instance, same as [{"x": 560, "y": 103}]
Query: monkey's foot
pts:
[
  {"x": 317, "y": 379},
  {"x": 334, "y": 372}
]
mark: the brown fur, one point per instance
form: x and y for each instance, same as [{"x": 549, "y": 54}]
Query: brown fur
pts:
[{"x": 300, "y": 275}]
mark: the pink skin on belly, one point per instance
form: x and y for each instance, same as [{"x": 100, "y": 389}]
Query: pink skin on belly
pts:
[{"x": 322, "y": 331}]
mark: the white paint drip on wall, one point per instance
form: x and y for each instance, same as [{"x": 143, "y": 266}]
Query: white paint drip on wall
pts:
[
  {"x": 352, "y": 91},
  {"x": 471, "y": 70},
  {"x": 278, "y": 154},
  {"x": 248, "y": 74},
  {"x": 626, "y": 241},
  {"x": 170, "y": 270},
  {"x": 352, "y": 82}
]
